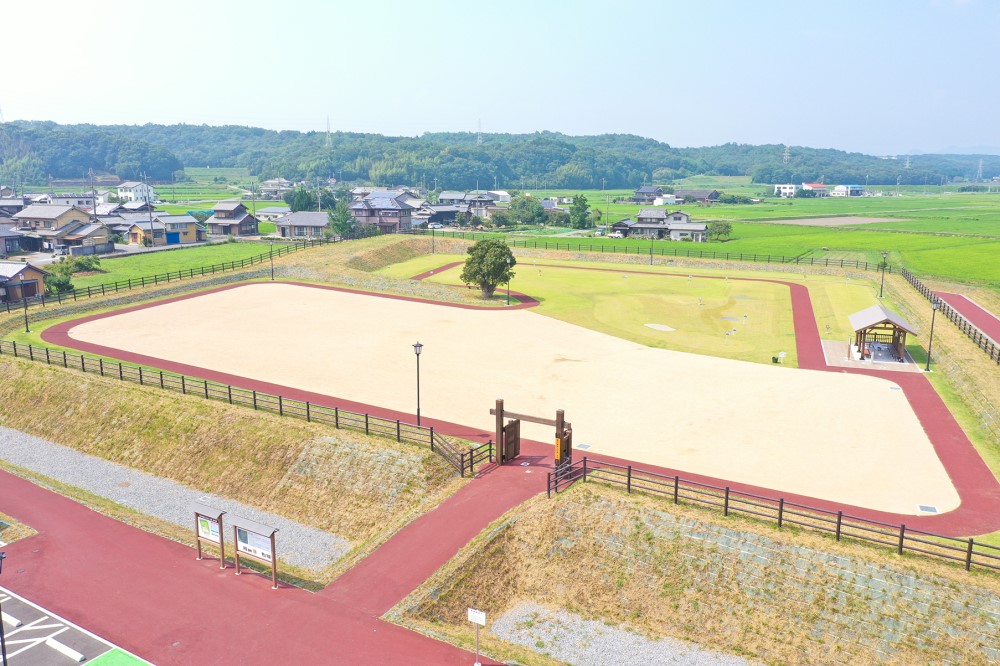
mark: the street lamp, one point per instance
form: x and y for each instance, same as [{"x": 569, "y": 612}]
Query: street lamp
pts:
[
  {"x": 272, "y": 261},
  {"x": 417, "y": 348},
  {"x": 935, "y": 304},
  {"x": 508, "y": 280},
  {"x": 881, "y": 289}
]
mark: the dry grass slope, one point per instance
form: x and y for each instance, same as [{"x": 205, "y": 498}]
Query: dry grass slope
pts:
[
  {"x": 728, "y": 584},
  {"x": 361, "y": 488}
]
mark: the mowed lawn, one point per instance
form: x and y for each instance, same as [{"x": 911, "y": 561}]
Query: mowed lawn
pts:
[
  {"x": 157, "y": 263},
  {"x": 622, "y": 300}
]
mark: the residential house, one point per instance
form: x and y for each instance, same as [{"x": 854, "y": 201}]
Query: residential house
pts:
[
  {"x": 165, "y": 230},
  {"x": 135, "y": 191},
  {"x": 275, "y": 188},
  {"x": 703, "y": 196},
  {"x": 665, "y": 200},
  {"x": 231, "y": 218},
  {"x": 660, "y": 224},
  {"x": 43, "y": 225},
  {"x": 848, "y": 191},
  {"x": 81, "y": 200},
  {"x": 6, "y": 192},
  {"x": 10, "y": 240},
  {"x": 786, "y": 191},
  {"x": 12, "y": 205},
  {"x": 272, "y": 213},
  {"x": 647, "y": 194},
  {"x": 303, "y": 224},
  {"x": 147, "y": 233},
  {"x": 104, "y": 209},
  {"x": 104, "y": 196},
  {"x": 19, "y": 280},
  {"x": 500, "y": 196},
  {"x": 818, "y": 188},
  {"x": 137, "y": 207},
  {"x": 451, "y": 197},
  {"x": 390, "y": 211}
]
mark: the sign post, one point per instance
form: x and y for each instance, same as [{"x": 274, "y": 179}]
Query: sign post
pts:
[
  {"x": 208, "y": 527},
  {"x": 478, "y": 618},
  {"x": 256, "y": 541}
]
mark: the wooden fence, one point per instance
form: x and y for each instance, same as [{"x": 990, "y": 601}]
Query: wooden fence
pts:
[
  {"x": 900, "y": 538},
  {"x": 662, "y": 251},
  {"x": 462, "y": 459},
  {"x": 171, "y": 276},
  {"x": 981, "y": 340}
]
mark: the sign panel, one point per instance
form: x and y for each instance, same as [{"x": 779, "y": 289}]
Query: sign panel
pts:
[
  {"x": 477, "y": 617},
  {"x": 254, "y": 544},
  {"x": 208, "y": 528}
]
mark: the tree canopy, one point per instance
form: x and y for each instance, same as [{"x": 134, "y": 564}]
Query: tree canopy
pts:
[{"x": 490, "y": 262}]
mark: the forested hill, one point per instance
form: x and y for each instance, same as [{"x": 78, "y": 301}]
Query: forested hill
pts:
[{"x": 447, "y": 160}]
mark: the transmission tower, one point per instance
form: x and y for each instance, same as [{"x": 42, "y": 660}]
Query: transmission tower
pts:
[
  {"x": 979, "y": 173},
  {"x": 787, "y": 155},
  {"x": 907, "y": 165}
]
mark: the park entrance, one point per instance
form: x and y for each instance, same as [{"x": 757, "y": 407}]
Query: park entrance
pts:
[{"x": 508, "y": 434}]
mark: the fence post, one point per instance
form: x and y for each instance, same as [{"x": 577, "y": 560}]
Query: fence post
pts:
[
  {"x": 48, "y": 360},
  {"x": 65, "y": 363},
  {"x": 902, "y": 536},
  {"x": 141, "y": 383},
  {"x": 31, "y": 353},
  {"x": 205, "y": 381},
  {"x": 548, "y": 486},
  {"x": 83, "y": 364},
  {"x": 308, "y": 414},
  {"x": 254, "y": 398},
  {"x": 161, "y": 378},
  {"x": 781, "y": 511},
  {"x": 366, "y": 423},
  {"x": 121, "y": 372},
  {"x": 585, "y": 469},
  {"x": 840, "y": 521},
  {"x": 677, "y": 484},
  {"x": 100, "y": 365},
  {"x": 183, "y": 385},
  {"x": 281, "y": 406},
  {"x": 628, "y": 480},
  {"x": 725, "y": 504},
  {"x": 336, "y": 417},
  {"x": 229, "y": 391},
  {"x": 398, "y": 435},
  {"x": 968, "y": 556}
]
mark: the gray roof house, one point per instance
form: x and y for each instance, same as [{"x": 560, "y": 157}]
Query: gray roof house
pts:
[
  {"x": 303, "y": 224},
  {"x": 390, "y": 211}
]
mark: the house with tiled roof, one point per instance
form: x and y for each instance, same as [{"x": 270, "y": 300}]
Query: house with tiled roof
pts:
[
  {"x": 647, "y": 194},
  {"x": 19, "y": 280},
  {"x": 657, "y": 223},
  {"x": 390, "y": 211},
  {"x": 303, "y": 224},
  {"x": 231, "y": 218},
  {"x": 703, "y": 196},
  {"x": 135, "y": 191}
]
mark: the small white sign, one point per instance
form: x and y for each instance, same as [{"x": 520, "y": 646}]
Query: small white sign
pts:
[
  {"x": 477, "y": 617},
  {"x": 254, "y": 544}
]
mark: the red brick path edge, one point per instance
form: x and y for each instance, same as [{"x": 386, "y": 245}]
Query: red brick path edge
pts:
[{"x": 977, "y": 487}]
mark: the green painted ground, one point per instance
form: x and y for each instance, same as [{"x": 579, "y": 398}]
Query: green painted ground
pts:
[{"x": 117, "y": 657}]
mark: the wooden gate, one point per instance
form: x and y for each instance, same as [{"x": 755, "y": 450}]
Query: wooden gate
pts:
[
  {"x": 511, "y": 447},
  {"x": 508, "y": 436}
]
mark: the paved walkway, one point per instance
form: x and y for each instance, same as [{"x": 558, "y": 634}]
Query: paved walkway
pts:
[
  {"x": 981, "y": 318},
  {"x": 151, "y": 596}
]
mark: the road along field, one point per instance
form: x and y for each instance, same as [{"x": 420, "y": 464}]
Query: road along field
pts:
[{"x": 838, "y": 437}]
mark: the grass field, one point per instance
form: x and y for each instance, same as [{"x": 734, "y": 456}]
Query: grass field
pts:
[
  {"x": 700, "y": 310},
  {"x": 152, "y": 263}
]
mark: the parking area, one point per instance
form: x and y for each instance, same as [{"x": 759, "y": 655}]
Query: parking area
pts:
[{"x": 36, "y": 637}]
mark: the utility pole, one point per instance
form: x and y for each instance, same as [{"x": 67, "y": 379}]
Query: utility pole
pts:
[{"x": 149, "y": 209}]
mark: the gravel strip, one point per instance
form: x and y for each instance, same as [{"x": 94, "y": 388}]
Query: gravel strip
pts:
[
  {"x": 568, "y": 637},
  {"x": 297, "y": 544}
]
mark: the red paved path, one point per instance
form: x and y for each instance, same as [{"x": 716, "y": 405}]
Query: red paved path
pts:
[
  {"x": 146, "y": 593},
  {"x": 981, "y": 318}
]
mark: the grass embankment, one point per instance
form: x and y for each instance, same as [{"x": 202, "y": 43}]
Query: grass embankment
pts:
[
  {"x": 729, "y": 584},
  {"x": 11, "y": 530},
  {"x": 363, "y": 489},
  {"x": 147, "y": 264}
]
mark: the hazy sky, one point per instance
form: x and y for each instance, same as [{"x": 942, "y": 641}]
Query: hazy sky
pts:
[{"x": 875, "y": 76}]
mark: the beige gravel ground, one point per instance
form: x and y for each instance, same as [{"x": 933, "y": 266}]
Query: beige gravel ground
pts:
[{"x": 838, "y": 437}]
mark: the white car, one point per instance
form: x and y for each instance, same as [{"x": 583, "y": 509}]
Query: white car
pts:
[
  {"x": 615, "y": 234},
  {"x": 435, "y": 225}
]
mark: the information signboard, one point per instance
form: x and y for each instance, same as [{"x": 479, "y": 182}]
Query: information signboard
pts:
[
  {"x": 208, "y": 527},
  {"x": 254, "y": 544}
]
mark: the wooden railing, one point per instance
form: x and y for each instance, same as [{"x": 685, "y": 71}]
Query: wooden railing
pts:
[
  {"x": 900, "y": 538},
  {"x": 462, "y": 459}
]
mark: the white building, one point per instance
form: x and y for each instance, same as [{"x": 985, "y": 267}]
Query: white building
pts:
[
  {"x": 788, "y": 191},
  {"x": 136, "y": 191},
  {"x": 665, "y": 200}
]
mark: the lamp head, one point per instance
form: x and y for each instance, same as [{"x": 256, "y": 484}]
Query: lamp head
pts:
[
  {"x": 417, "y": 348},
  {"x": 935, "y": 304}
]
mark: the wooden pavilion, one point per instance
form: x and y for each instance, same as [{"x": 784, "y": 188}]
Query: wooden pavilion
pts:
[{"x": 876, "y": 325}]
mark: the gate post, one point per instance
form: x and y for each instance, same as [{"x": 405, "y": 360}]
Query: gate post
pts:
[{"x": 501, "y": 452}]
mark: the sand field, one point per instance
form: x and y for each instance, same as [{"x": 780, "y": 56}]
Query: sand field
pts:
[{"x": 839, "y": 437}]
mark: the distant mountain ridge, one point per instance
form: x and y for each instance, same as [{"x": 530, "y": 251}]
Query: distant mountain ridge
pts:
[{"x": 453, "y": 160}]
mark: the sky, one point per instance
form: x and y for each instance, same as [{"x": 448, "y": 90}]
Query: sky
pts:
[{"x": 883, "y": 77}]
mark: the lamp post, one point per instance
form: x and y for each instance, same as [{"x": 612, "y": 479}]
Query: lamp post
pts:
[
  {"x": 881, "y": 289},
  {"x": 3, "y": 640},
  {"x": 417, "y": 348},
  {"x": 935, "y": 304},
  {"x": 508, "y": 280},
  {"x": 272, "y": 261}
]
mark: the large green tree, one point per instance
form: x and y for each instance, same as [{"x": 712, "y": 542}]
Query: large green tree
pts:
[
  {"x": 490, "y": 262},
  {"x": 579, "y": 212},
  {"x": 719, "y": 228},
  {"x": 526, "y": 210},
  {"x": 341, "y": 222}
]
